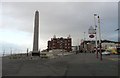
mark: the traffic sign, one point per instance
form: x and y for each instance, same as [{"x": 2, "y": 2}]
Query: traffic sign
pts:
[
  {"x": 91, "y": 36},
  {"x": 91, "y": 30}
]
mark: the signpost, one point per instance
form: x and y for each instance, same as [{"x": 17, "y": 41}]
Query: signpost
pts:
[{"x": 93, "y": 32}]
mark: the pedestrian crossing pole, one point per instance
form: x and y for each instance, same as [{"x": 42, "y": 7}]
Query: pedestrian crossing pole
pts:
[{"x": 99, "y": 38}]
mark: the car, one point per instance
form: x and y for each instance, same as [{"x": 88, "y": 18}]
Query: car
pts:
[
  {"x": 106, "y": 53},
  {"x": 114, "y": 52}
]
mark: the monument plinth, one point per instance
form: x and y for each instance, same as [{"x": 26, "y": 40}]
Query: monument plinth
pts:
[{"x": 36, "y": 51}]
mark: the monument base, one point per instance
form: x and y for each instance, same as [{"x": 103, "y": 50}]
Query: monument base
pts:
[{"x": 35, "y": 53}]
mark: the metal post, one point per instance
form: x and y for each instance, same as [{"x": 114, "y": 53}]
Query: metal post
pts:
[
  {"x": 62, "y": 48},
  {"x": 77, "y": 47},
  {"x": 99, "y": 38},
  {"x": 96, "y": 36},
  {"x": 11, "y": 51},
  {"x": 84, "y": 42},
  {"x": 39, "y": 52},
  {"x": 3, "y": 53},
  {"x": 118, "y": 45},
  {"x": 27, "y": 51}
]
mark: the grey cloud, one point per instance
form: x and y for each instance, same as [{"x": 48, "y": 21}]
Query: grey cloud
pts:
[{"x": 60, "y": 18}]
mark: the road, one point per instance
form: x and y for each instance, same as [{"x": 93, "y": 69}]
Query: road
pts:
[{"x": 82, "y": 64}]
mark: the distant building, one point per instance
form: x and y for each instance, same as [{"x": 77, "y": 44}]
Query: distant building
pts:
[
  {"x": 60, "y": 43},
  {"x": 76, "y": 48},
  {"x": 89, "y": 46}
]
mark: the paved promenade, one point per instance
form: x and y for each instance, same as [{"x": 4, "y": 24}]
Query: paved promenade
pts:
[{"x": 72, "y": 65}]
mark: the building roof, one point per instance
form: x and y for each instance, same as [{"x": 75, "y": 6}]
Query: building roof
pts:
[{"x": 103, "y": 41}]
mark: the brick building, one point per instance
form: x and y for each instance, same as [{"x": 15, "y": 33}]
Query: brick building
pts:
[{"x": 60, "y": 43}]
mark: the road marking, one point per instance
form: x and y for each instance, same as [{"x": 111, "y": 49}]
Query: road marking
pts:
[{"x": 114, "y": 59}]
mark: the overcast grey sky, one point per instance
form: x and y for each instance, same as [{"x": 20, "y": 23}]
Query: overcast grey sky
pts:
[{"x": 56, "y": 18}]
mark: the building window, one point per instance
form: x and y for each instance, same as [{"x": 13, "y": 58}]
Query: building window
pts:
[
  {"x": 61, "y": 41},
  {"x": 60, "y": 46},
  {"x": 68, "y": 40},
  {"x": 65, "y": 41},
  {"x": 53, "y": 43}
]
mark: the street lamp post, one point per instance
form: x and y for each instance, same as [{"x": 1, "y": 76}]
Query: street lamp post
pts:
[
  {"x": 99, "y": 38},
  {"x": 96, "y": 36},
  {"x": 118, "y": 45}
]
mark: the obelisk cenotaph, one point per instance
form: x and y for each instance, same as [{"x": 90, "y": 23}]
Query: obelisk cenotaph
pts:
[{"x": 36, "y": 51}]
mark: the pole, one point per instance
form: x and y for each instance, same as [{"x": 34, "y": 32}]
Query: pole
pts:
[
  {"x": 118, "y": 45},
  {"x": 84, "y": 42},
  {"x": 99, "y": 38},
  {"x": 11, "y": 51},
  {"x": 3, "y": 53},
  {"x": 39, "y": 52},
  {"x": 96, "y": 36},
  {"x": 27, "y": 51},
  {"x": 77, "y": 47}
]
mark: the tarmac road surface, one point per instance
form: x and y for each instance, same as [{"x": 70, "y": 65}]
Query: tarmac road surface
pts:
[{"x": 82, "y": 64}]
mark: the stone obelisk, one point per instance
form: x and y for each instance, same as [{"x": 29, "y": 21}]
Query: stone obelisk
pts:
[{"x": 35, "y": 51}]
